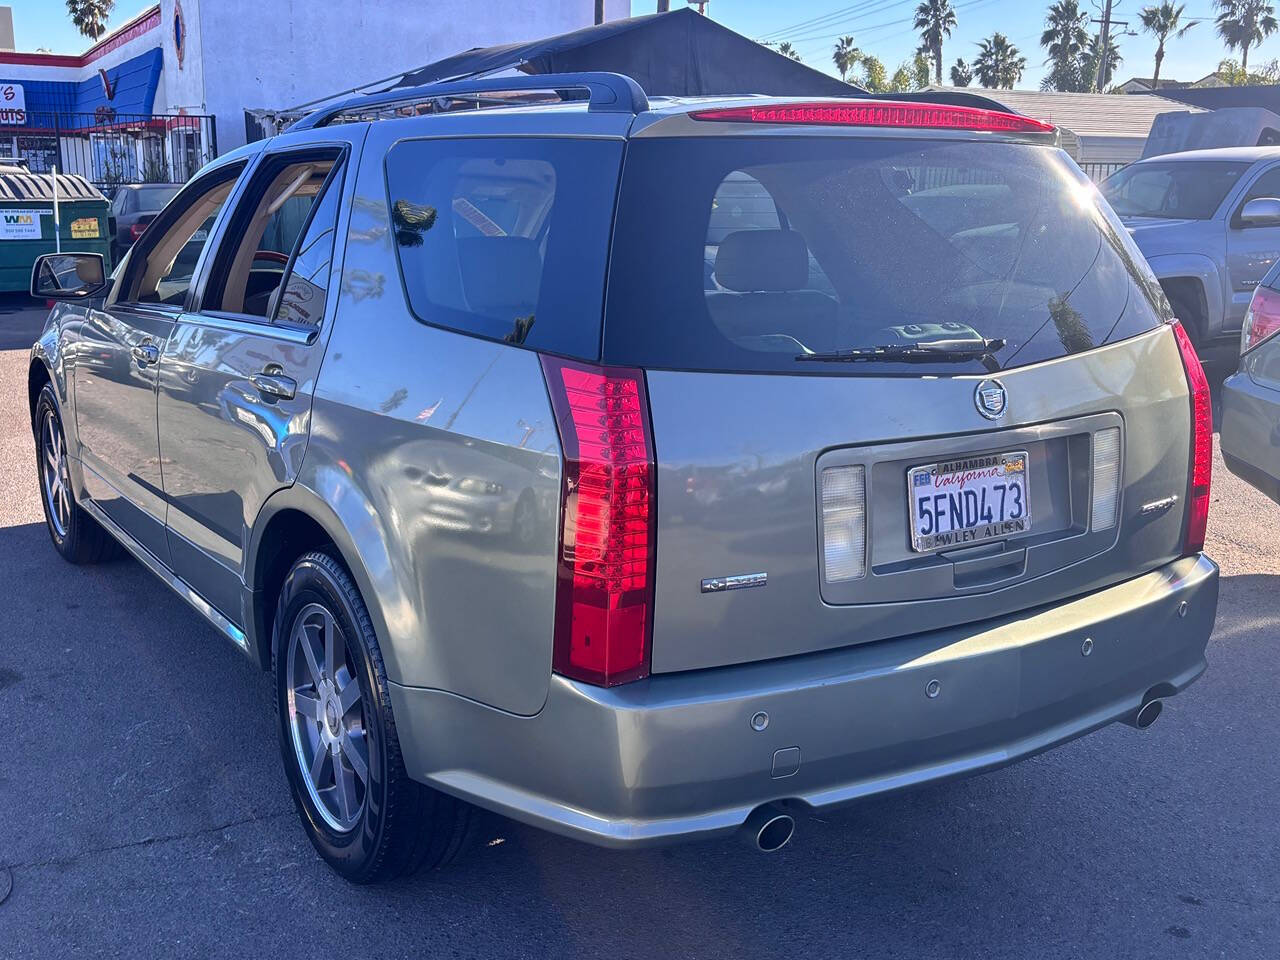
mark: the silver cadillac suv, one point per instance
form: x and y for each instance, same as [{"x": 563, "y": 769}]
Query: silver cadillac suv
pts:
[{"x": 642, "y": 470}]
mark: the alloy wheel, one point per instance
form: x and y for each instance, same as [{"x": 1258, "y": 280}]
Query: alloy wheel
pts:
[
  {"x": 327, "y": 718},
  {"x": 55, "y": 476}
]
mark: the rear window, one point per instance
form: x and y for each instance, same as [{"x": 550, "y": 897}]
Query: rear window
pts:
[
  {"x": 1176, "y": 190},
  {"x": 507, "y": 239},
  {"x": 745, "y": 254}
]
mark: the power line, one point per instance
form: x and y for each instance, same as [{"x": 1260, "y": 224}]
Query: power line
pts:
[{"x": 820, "y": 19}]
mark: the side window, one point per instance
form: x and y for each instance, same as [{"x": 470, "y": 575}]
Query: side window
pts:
[
  {"x": 302, "y": 298},
  {"x": 163, "y": 271},
  {"x": 249, "y": 273},
  {"x": 121, "y": 202},
  {"x": 507, "y": 239}
]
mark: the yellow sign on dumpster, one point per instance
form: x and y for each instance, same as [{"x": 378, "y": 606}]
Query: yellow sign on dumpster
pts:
[{"x": 84, "y": 228}]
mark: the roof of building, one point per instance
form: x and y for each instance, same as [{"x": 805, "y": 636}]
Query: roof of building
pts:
[{"x": 1090, "y": 114}]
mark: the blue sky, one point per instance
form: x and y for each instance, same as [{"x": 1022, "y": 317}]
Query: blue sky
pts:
[{"x": 882, "y": 27}]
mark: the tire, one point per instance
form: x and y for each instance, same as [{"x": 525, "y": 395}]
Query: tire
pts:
[
  {"x": 75, "y": 535},
  {"x": 1186, "y": 307},
  {"x": 387, "y": 825}
]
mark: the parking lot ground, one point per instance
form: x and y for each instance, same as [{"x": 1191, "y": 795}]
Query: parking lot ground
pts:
[{"x": 143, "y": 811}]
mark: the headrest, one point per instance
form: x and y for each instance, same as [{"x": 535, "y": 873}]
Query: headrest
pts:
[
  {"x": 500, "y": 273},
  {"x": 763, "y": 260}
]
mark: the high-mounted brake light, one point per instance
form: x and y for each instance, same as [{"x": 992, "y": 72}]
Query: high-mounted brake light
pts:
[
  {"x": 1201, "y": 443},
  {"x": 604, "y": 591},
  {"x": 881, "y": 113}
]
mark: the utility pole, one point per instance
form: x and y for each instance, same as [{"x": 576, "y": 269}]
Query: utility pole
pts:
[{"x": 1104, "y": 43}]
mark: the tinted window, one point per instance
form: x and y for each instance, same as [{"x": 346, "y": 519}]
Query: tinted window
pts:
[
  {"x": 857, "y": 243},
  {"x": 153, "y": 198},
  {"x": 1174, "y": 190},
  {"x": 1267, "y": 185},
  {"x": 303, "y": 297},
  {"x": 506, "y": 239}
]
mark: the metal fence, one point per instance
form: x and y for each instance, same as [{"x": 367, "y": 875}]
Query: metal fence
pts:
[
  {"x": 112, "y": 149},
  {"x": 1097, "y": 172}
]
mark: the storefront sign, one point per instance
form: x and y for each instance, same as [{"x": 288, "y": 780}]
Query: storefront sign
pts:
[
  {"x": 20, "y": 224},
  {"x": 84, "y": 228},
  {"x": 13, "y": 104}
]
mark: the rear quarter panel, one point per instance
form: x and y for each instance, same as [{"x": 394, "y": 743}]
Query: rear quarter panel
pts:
[{"x": 424, "y": 445}]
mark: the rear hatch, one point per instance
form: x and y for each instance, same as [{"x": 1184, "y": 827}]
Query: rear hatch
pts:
[{"x": 816, "y": 491}]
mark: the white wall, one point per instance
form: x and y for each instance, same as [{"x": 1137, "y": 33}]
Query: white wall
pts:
[{"x": 275, "y": 54}]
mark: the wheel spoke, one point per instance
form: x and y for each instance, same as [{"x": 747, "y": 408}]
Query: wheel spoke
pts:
[
  {"x": 353, "y": 748},
  {"x": 308, "y": 651},
  {"x": 349, "y": 696},
  {"x": 50, "y": 458},
  {"x": 330, "y": 645},
  {"x": 306, "y": 705},
  {"x": 64, "y": 512},
  {"x": 346, "y": 789},
  {"x": 317, "y": 764}
]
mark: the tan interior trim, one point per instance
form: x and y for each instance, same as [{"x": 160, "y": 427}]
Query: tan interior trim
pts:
[
  {"x": 161, "y": 257},
  {"x": 303, "y": 179}
]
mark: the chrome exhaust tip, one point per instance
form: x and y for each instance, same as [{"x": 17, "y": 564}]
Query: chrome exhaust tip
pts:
[
  {"x": 1146, "y": 715},
  {"x": 768, "y": 828}
]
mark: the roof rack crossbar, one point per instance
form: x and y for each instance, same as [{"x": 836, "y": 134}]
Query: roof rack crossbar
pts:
[{"x": 608, "y": 92}]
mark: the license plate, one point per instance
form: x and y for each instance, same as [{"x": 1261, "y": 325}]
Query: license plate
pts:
[{"x": 958, "y": 502}]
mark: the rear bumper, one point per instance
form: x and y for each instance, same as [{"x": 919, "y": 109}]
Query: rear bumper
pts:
[{"x": 676, "y": 756}]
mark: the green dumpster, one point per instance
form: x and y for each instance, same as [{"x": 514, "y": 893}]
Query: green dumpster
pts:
[{"x": 27, "y": 224}]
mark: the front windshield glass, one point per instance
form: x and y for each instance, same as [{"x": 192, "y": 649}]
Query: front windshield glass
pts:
[
  {"x": 760, "y": 253},
  {"x": 1175, "y": 190}
]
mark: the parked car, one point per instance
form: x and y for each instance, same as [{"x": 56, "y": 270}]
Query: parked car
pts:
[
  {"x": 1208, "y": 222},
  {"x": 1250, "y": 437},
  {"x": 133, "y": 206},
  {"x": 644, "y": 470}
]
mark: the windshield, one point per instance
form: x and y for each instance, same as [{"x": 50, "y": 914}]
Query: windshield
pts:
[
  {"x": 755, "y": 254},
  {"x": 1175, "y": 190}
]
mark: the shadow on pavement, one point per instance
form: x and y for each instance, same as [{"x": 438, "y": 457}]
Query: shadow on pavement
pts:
[{"x": 21, "y": 320}]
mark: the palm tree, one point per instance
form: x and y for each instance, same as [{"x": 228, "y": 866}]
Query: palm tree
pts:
[
  {"x": 961, "y": 74},
  {"x": 1065, "y": 39},
  {"x": 935, "y": 19},
  {"x": 1091, "y": 63},
  {"x": 90, "y": 16},
  {"x": 998, "y": 64},
  {"x": 1162, "y": 22},
  {"x": 1245, "y": 24},
  {"x": 787, "y": 50},
  {"x": 846, "y": 56}
]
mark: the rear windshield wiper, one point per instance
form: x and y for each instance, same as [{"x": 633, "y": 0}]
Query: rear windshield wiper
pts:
[{"x": 927, "y": 351}]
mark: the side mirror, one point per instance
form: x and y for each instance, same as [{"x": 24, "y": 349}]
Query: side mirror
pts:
[
  {"x": 1261, "y": 212},
  {"x": 70, "y": 276}
]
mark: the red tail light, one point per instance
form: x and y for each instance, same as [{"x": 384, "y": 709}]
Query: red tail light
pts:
[
  {"x": 1262, "y": 319},
  {"x": 137, "y": 229},
  {"x": 604, "y": 593},
  {"x": 881, "y": 113},
  {"x": 1201, "y": 443}
]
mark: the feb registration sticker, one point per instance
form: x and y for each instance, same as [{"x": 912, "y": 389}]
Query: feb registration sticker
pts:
[{"x": 959, "y": 502}]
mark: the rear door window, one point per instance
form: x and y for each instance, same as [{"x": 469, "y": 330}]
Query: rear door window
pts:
[
  {"x": 507, "y": 239},
  {"x": 774, "y": 249}
]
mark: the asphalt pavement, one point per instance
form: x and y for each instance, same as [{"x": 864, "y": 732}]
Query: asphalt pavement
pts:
[{"x": 144, "y": 813}]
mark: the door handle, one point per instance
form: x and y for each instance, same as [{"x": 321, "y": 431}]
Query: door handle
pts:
[
  {"x": 273, "y": 385},
  {"x": 146, "y": 353}
]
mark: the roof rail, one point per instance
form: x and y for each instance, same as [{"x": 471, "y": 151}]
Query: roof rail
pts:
[{"x": 608, "y": 92}]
